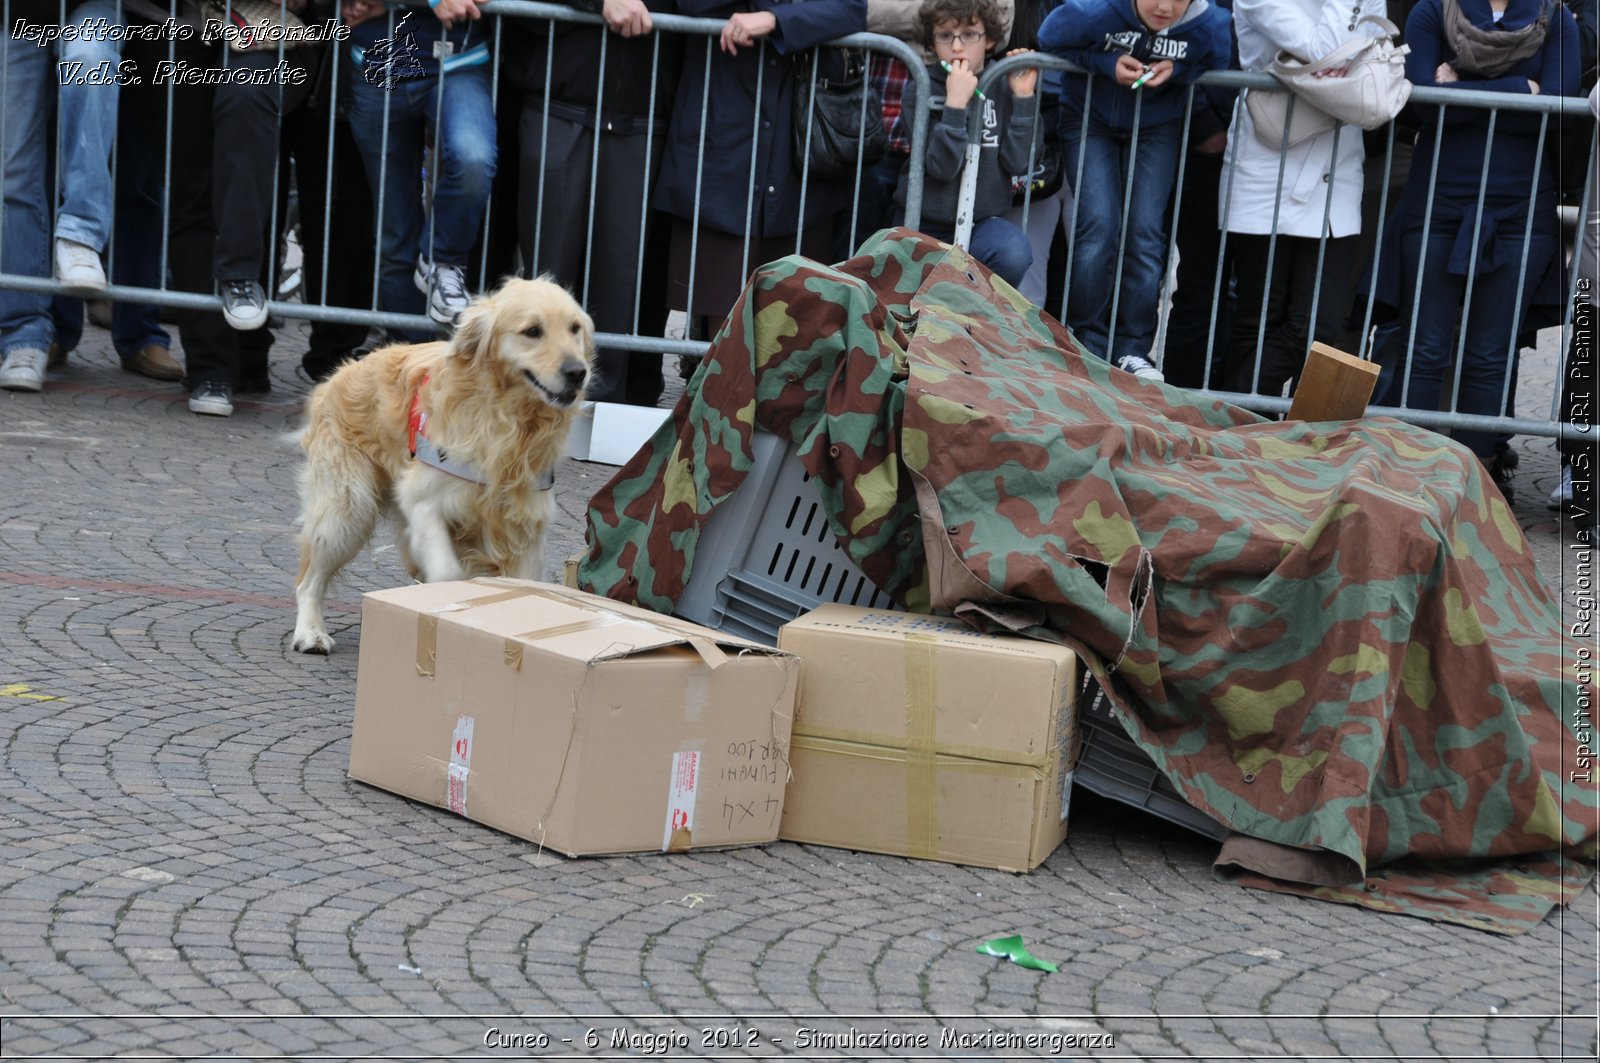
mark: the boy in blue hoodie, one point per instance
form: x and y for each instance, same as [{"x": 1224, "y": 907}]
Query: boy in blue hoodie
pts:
[{"x": 1126, "y": 120}]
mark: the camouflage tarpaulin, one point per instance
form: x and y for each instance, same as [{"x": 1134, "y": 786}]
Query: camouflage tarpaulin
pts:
[{"x": 1330, "y": 637}]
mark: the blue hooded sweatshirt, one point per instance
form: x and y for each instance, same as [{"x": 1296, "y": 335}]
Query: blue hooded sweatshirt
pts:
[{"x": 1092, "y": 33}]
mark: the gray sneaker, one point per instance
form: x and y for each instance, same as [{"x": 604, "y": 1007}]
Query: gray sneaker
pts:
[
  {"x": 244, "y": 305},
  {"x": 212, "y": 399},
  {"x": 23, "y": 369},
  {"x": 446, "y": 289}
]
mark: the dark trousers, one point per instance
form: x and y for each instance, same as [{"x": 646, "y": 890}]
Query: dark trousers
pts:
[
  {"x": 1195, "y": 349},
  {"x": 619, "y": 277},
  {"x": 333, "y": 194},
  {"x": 1276, "y": 311},
  {"x": 224, "y": 166}
]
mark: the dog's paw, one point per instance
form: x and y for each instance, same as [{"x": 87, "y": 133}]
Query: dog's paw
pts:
[{"x": 317, "y": 642}]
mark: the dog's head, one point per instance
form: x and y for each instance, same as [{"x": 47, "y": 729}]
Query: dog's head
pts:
[{"x": 530, "y": 334}]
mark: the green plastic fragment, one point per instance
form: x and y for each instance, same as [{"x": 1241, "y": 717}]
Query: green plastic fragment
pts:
[{"x": 1013, "y": 949}]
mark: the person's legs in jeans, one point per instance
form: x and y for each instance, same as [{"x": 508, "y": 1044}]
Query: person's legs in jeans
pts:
[
  {"x": 1092, "y": 267},
  {"x": 394, "y": 164},
  {"x": 1153, "y": 161},
  {"x": 1002, "y": 247},
  {"x": 88, "y": 125},
  {"x": 26, "y": 84},
  {"x": 467, "y": 147}
]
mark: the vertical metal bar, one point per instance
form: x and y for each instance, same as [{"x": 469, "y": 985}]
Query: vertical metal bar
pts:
[
  {"x": 488, "y": 206},
  {"x": 166, "y": 173},
  {"x": 1163, "y": 310},
  {"x": 647, "y": 181},
  {"x": 1077, "y": 184},
  {"x": 805, "y": 162},
  {"x": 1122, "y": 233},
  {"x": 1272, "y": 246},
  {"x": 1472, "y": 264},
  {"x": 594, "y": 165},
  {"x": 273, "y": 235},
  {"x": 534, "y": 252},
  {"x": 1324, "y": 234},
  {"x": 1422, "y": 257},
  {"x": 383, "y": 159},
  {"x": 1567, "y": 323},
  {"x": 699, "y": 182},
  {"x": 1377, "y": 246},
  {"x": 1231, "y": 160},
  {"x": 916, "y": 165},
  {"x": 1522, "y": 270},
  {"x": 337, "y": 55}
]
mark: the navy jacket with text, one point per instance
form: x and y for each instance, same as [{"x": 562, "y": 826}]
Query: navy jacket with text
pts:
[{"x": 1092, "y": 33}]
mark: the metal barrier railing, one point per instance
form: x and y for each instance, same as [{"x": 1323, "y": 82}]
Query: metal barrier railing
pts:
[
  {"x": 1545, "y": 107},
  {"x": 314, "y": 306}
]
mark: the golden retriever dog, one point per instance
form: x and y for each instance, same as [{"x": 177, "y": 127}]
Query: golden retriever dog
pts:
[{"x": 457, "y": 441}]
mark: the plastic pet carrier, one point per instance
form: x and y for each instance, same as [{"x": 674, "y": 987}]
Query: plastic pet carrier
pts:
[
  {"x": 1114, "y": 766},
  {"x": 767, "y": 554}
]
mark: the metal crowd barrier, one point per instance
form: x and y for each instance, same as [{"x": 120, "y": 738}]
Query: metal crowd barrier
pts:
[
  {"x": 1546, "y": 107},
  {"x": 312, "y": 306}
]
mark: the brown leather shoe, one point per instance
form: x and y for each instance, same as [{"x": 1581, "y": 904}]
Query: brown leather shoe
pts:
[
  {"x": 155, "y": 362},
  {"x": 56, "y": 356}
]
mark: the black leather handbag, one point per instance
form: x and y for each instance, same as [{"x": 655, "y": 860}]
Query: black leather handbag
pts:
[{"x": 838, "y": 116}]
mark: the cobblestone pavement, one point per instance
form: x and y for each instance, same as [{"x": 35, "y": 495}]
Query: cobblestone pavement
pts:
[{"x": 185, "y": 868}]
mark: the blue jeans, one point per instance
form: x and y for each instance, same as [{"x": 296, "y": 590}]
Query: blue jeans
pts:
[
  {"x": 88, "y": 126},
  {"x": 1118, "y": 165},
  {"x": 996, "y": 243},
  {"x": 1491, "y": 322},
  {"x": 461, "y": 188}
]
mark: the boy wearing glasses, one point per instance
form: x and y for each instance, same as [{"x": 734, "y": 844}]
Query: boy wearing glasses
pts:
[{"x": 960, "y": 33}]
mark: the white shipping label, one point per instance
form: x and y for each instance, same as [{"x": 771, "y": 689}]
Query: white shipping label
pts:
[
  {"x": 680, "y": 796},
  {"x": 460, "y": 766}
]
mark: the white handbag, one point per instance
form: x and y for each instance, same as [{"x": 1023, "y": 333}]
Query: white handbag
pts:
[{"x": 1372, "y": 91}]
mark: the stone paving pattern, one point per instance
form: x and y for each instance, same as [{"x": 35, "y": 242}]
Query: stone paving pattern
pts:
[{"x": 185, "y": 868}]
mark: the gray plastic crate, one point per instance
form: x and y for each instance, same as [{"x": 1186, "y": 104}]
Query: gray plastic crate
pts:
[
  {"x": 1114, "y": 766},
  {"x": 767, "y": 554}
]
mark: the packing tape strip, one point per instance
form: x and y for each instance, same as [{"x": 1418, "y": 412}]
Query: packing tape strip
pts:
[
  {"x": 515, "y": 644},
  {"x": 428, "y": 626},
  {"x": 921, "y": 813}
]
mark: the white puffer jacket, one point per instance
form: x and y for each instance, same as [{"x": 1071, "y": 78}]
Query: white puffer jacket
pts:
[{"x": 1308, "y": 29}]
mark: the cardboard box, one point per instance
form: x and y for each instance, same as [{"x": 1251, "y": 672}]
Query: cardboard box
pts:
[
  {"x": 611, "y": 433},
  {"x": 917, "y": 736},
  {"x": 571, "y": 720}
]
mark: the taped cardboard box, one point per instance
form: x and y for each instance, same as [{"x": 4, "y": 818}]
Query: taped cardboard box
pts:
[
  {"x": 917, "y": 736},
  {"x": 571, "y": 720}
]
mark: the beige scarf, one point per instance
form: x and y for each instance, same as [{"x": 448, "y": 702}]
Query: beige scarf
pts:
[{"x": 1490, "y": 53}]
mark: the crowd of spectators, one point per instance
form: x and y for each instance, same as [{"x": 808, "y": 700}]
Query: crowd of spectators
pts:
[{"x": 652, "y": 172}]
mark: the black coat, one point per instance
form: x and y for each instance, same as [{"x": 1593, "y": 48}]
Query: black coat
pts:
[
  {"x": 730, "y": 116},
  {"x": 570, "y": 57}
]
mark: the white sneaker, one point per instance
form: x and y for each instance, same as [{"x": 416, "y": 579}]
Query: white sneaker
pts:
[
  {"x": 23, "y": 369},
  {"x": 446, "y": 289},
  {"x": 1562, "y": 495},
  {"x": 78, "y": 266},
  {"x": 1140, "y": 367}
]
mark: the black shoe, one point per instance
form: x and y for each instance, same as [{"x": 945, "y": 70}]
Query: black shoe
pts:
[
  {"x": 244, "y": 305},
  {"x": 212, "y": 399},
  {"x": 688, "y": 363},
  {"x": 254, "y": 384},
  {"x": 1500, "y": 465}
]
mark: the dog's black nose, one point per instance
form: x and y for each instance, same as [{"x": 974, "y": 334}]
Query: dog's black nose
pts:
[{"x": 575, "y": 375}]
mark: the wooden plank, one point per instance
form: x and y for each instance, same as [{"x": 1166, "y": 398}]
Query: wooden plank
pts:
[{"x": 1333, "y": 386}]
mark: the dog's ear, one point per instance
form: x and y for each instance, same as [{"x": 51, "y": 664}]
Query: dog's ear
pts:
[{"x": 474, "y": 331}]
